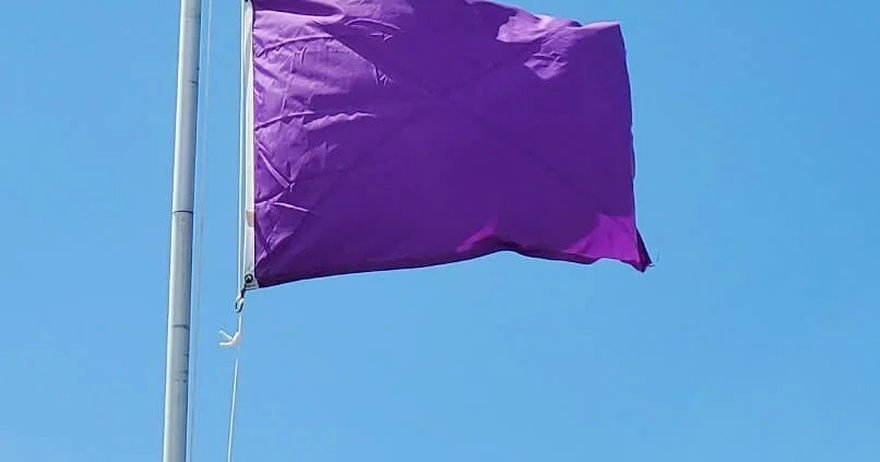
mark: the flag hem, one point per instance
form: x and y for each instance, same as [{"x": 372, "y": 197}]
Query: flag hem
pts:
[{"x": 250, "y": 281}]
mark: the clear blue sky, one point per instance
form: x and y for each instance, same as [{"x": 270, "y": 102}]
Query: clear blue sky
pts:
[{"x": 755, "y": 338}]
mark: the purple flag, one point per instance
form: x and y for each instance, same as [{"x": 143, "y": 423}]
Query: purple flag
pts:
[{"x": 389, "y": 134}]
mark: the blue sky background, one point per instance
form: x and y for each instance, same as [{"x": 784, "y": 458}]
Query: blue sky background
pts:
[{"x": 755, "y": 338}]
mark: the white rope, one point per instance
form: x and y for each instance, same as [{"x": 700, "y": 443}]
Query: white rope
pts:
[
  {"x": 233, "y": 341},
  {"x": 200, "y": 232}
]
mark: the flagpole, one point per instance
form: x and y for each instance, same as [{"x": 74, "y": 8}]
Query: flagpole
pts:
[{"x": 180, "y": 274}]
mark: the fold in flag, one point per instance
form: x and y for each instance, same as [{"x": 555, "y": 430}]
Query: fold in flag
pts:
[{"x": 390, "y": 134}]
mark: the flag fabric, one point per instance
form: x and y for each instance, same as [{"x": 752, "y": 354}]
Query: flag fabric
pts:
[{"x": 391, "y": 134}]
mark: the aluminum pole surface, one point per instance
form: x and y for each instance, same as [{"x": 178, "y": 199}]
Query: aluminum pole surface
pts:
[{"x": 180, "y": 274}]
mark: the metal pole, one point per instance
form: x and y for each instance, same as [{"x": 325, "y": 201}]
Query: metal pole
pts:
[{"x": 180, "y": 277}]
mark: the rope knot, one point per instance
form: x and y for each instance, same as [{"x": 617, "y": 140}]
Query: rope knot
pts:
[{"x": 234, "y": 340}]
